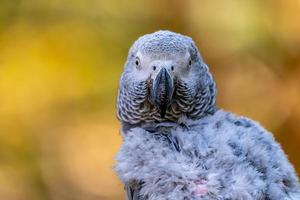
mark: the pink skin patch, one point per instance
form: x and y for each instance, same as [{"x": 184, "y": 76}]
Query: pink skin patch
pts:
[{"x": 201, "y": 188}]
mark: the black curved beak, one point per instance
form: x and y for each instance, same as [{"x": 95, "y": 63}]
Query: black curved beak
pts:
[{"x": 162, "y": 91}]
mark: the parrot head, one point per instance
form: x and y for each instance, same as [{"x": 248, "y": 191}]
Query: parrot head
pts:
[{"x": 165, "y": 72}]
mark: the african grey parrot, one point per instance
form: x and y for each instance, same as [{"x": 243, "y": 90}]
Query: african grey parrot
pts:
[{"x": 178, "y": 144}]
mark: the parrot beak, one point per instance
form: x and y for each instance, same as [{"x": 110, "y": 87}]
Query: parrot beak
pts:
[{"x": 162, "y": 91}]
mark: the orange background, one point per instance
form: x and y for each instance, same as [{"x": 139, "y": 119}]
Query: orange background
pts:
[{"x": 60, "y": 61}]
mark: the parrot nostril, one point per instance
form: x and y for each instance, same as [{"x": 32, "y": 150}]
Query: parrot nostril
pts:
[
  {"x": 154, "y": 68},
  {"x": 172, "y": 68}
]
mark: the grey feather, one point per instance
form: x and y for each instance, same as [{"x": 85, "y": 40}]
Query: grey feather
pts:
[
  {"x": 194, "y": 151},
  {"x": 132, "y": 192},
  {"x": 236, "y": 157}
]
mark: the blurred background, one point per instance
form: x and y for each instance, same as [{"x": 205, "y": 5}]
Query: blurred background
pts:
[{"x": 60, "y": 62}]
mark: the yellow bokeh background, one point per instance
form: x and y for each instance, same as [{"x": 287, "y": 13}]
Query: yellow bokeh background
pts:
[{"x": 60, "y": 62}]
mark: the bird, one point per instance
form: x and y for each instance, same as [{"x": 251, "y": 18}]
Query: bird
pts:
[{"x": 177, "y": 144}]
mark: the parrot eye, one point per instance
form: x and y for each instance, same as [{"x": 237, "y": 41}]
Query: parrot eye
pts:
[
  {"x": 172, "y": 68},
  {"x": 154, "y": 68},
  {"x": 137, "y": 62},
  {"x": 189, "y": 64}
]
